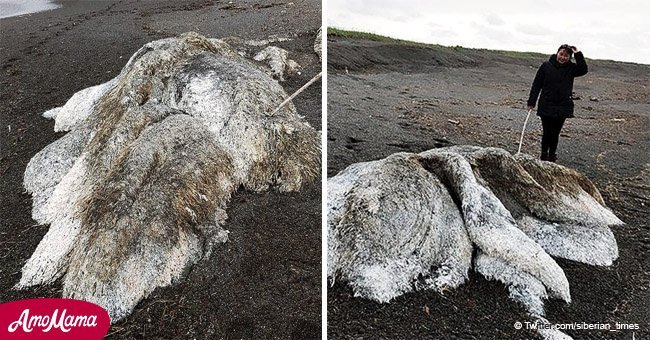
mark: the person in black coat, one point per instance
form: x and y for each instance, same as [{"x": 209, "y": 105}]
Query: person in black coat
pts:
[{"x": 555, "y": 81}]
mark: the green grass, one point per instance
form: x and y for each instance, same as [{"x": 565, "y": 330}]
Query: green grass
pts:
[
  {"x": 335, "y": 32},
  {"x": 331, "y": 31}
]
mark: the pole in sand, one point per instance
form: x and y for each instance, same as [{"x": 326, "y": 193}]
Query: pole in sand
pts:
[
  {"x": 521, "y": 139},
  {"x": 316, "y": 77}
]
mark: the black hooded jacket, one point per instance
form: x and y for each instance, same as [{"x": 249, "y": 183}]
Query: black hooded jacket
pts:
[{"x": 555, "y": 81}]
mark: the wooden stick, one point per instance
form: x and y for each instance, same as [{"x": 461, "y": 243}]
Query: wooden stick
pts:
[
  {"x": 316, "y": 77},
  {"x": 521, "y": 140}
]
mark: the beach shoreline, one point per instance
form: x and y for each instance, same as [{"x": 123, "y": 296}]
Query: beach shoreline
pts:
[{"x": 9, "y": 8}]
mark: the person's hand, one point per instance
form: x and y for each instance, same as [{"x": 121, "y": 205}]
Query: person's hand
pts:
[
  {"x": 574, "y": 49},
  {"x": 530, "y": 107}
]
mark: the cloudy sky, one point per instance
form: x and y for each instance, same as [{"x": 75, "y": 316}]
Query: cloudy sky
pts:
[{"x": 602, "y": 29}]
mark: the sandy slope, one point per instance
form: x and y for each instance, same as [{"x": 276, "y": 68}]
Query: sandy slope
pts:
[
  {"x": 386, "y": 98},
  {"x": 263, "y": 283}
]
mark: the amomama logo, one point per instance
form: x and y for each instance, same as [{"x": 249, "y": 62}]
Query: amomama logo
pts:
[{"x": 52, "y": 319}]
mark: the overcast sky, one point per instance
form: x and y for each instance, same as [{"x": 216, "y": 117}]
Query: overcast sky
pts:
[{"x": 602, "y": 29}]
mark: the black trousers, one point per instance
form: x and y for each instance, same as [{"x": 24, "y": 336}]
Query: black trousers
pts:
[{"x": 551, "y": 134}]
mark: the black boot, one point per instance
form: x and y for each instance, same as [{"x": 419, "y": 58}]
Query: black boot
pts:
[
  {"x": 544, "y": 156},
  {"x": 552, "y": 158}
]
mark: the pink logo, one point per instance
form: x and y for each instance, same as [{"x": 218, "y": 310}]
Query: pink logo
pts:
[{"x": 52, "y": 319}]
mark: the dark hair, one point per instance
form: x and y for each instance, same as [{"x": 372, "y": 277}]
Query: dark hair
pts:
[{"x": 568, "y": 48}]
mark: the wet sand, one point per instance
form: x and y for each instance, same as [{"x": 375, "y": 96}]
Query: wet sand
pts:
[{"x": 10, "y": 8}]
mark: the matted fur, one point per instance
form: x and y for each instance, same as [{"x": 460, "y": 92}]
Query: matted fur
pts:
[
  {"x": 383, "y": 235},
  {"x": 318, "y": 43},
  {"x": 279, "y": 62},
  {"x": 397, "y": 220},
  {"x": 136, "y": 191}
]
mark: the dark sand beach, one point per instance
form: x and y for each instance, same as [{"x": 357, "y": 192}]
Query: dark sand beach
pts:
[
  {"x": 10, "y": 8},
  {"x": 265, "y": 281},
  {"x": 386, "y": 97}
]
